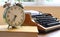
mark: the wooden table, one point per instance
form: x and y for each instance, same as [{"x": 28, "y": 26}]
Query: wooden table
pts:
[
  {"x": 50, "y": 34},
  {"x": 23, "y": 31}
]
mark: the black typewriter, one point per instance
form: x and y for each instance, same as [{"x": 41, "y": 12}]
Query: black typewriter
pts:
[{"x": 46, "y": 21}]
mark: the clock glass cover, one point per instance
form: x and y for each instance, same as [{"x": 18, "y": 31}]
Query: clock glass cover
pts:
[{"x": 14, "y": 16}]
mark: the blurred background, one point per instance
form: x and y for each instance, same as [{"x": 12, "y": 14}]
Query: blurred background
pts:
[{"x": 45, "y": 6}]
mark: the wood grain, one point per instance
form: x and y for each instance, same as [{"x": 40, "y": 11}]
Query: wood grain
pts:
[{"x": 23, "y": 31}]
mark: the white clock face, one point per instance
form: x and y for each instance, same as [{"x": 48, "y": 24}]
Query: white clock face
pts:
[{"x": 15, "y": 16}]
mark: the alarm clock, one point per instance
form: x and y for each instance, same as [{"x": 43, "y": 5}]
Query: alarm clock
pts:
[{"x": 14, "y": 16}]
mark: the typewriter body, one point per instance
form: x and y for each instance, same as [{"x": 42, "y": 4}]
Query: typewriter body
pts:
[{"x": 45, "y": 22}]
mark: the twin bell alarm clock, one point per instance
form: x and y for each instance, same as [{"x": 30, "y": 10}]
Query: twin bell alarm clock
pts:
[{"x": 14, "y": 15}]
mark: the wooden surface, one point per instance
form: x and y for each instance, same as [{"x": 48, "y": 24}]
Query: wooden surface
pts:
[
  {"x": 51, "y": 34},
  {"x": 23, "y": 31},
  {"x": 54, "y": 10},
  {"x": 19, "y": 29}
]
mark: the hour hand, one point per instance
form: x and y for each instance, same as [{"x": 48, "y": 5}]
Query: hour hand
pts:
[{"x": 14, "y": 17}]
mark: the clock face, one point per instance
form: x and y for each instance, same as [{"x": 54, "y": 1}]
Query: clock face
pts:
[{"x": 15, "y": 16}]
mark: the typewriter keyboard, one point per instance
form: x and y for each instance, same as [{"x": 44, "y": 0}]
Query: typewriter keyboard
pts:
[{"x": 46, "y": 20}]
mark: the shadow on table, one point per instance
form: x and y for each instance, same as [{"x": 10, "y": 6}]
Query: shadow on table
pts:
[{"x": 47, "y": 32}]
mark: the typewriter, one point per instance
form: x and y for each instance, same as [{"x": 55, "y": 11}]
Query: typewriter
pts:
[{"x": 46, "y": 22}]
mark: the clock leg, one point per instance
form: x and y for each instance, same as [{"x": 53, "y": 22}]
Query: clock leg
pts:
[
  {"x": 9, "y": 27},
  {"x": 12, "y": 27}
]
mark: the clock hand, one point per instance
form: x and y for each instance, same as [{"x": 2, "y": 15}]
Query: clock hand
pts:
[{"x": 14, "y": 17}]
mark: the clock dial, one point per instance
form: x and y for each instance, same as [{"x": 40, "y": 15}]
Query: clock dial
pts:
[{"x": 15, "y": 16}]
